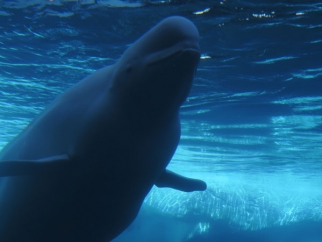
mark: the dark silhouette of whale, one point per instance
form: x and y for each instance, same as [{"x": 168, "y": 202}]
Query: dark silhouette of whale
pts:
[{"x": 80, "y": 171}]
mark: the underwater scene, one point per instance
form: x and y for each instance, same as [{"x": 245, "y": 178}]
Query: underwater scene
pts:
[{"x": 251, "y": 126}]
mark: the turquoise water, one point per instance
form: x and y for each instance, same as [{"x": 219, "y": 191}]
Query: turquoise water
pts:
[{"x": 251, "y": 126}]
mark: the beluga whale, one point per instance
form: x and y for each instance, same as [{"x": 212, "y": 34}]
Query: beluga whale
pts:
[{"x": 82, "y": 168}]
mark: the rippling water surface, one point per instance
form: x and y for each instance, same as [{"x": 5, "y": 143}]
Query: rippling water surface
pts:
[{"x": 251, "y": 126}]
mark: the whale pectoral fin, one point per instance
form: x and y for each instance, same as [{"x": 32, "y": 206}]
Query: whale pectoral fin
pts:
[
  {"x": 32, "y": 167},
  {"x": 178, "y": 182}
]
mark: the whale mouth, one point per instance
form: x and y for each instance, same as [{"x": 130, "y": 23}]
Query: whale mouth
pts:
[
  {"x": 188, "y": 58},
  {"x": 175, "y": 52}
]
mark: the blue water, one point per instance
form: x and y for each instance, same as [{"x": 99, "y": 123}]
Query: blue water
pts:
[{"x": 251, "y": 126}]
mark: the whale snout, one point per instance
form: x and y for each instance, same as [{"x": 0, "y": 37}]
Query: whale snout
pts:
[
  {"x": 170, "y": 36},
  {"x": 174, "y": 31}
]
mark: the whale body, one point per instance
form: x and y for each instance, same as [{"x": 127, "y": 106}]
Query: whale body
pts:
[{"x": 81, "y": 169}]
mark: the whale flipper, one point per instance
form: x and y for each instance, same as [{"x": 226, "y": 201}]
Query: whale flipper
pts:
[
  {"x": 173, "y": 180},
  {"x": 32, "y": 167}
]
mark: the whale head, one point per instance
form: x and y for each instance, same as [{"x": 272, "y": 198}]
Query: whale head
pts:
[{"x": 156, "y": 72}]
